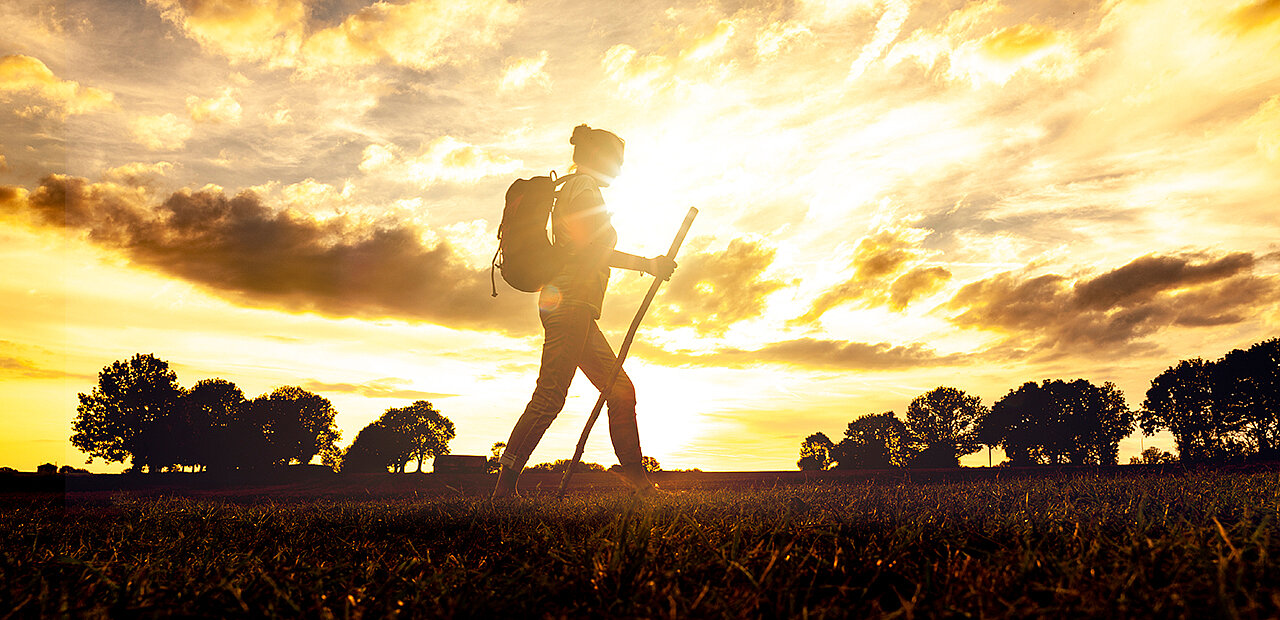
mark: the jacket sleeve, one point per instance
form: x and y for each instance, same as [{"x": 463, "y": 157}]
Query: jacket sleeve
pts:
[{"x": 586, "y": 228}]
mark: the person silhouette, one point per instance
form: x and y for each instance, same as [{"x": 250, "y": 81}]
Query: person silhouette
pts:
[{"x": 569, "y": 306}]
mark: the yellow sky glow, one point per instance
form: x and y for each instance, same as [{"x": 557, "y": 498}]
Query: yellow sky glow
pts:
[{"x": 894, "y": 196}]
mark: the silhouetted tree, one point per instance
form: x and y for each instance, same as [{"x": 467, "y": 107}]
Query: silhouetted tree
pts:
[
  {"x": 1014, "y": 424},
  {"x": 67, "y": 469},
  {"x": 375, "y": 449},
  {"x": 331, "y": 456},
  {"x": 117, "y": 421},
  {"x": 876, "y": 441},
  {"x": 297, "y": 423},
  {"x": 561, "y": 464},
  {"x": 1246, "y": 392},
  {"x": 944, "y": 420},
  {"x": 815, "y": 453},
  {"x": 1106, "y": 420},
  {"x": 650, "y": 464},
  {"x": 1181, "y": 401},
  {"x": 427, "y": 430},
  {"x": 234, "y": 437},
  {"x": 1059, "y": 422},
  {"x": 47, "y": 469},
  {"x": 1153, "y": 456},
  {"x": 491, "y": 465}
]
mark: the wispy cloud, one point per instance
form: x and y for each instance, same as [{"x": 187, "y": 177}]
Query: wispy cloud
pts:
[
  {"x": 417, "y": 34},
  {"x": 813, "y": 354},
  {"x": 389, "y": 387}
]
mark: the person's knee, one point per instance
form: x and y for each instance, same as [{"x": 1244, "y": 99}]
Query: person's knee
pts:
[
  {"x": 622, "y": 398},
  {"x": 547, "y": 403}
]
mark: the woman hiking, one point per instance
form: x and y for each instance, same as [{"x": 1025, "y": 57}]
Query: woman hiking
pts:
[{"x": 569, "y": 306}]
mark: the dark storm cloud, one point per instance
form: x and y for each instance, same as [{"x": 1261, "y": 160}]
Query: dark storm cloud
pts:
[
  {"x": 238, "y": 247},
  {"x": 1117, "y": 309},
  {"x": 719, "y": 288}
]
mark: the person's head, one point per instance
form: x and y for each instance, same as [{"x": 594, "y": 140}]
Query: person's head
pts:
[{"x": 597, "y": 150}]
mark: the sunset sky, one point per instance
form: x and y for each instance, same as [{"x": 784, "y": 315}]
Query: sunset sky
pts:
[{"x": 894, "y": 196}]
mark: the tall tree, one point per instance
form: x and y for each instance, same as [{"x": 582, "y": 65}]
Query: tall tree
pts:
[
  {"x": 1014, "y": 424},
  {"x": 428, "y": 432},
  {"x": 375, "y": 449},
  {"x": 1181, "y": 401},
  {"x": 236, "y": 438},
  {"x": 815, "y": 453},
  {"x": 1246, "y": 388},
  {"x": 1114, "y": 421},
  {"x": 1059, "y": 422},
  {"x": 298, "y": 424},
  {"x": 117, "y": 420},
  {"x": 945, "y": 420},
  {"x": 876, "y": 441}
]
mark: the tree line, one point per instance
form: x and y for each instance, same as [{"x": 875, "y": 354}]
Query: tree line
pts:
[
  {"x": 1214, "y": 409},
  {"x": 138, "y": 412}
]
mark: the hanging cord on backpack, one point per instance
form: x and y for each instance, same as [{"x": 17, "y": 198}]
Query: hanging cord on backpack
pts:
[{"x": 494, "y": 265}]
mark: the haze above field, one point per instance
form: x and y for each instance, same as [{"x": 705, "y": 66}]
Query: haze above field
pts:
[{"x": 893, "y": 195}]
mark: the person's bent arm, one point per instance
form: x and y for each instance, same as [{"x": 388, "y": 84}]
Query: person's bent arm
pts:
[{"x": 659, "y": 266}]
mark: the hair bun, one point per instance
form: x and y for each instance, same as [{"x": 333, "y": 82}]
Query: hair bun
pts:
[{"x": 580, "y": 133}]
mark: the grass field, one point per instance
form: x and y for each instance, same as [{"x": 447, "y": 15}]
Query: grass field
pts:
[{"x": 1199, "y": 544}]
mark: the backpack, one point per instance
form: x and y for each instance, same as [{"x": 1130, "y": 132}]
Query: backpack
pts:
[{"x": 525, "y": 255}]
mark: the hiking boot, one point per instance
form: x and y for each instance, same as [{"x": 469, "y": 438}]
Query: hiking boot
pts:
[
  {"x": 507, "y": 479},
  {"x": 636, "y": 478}
]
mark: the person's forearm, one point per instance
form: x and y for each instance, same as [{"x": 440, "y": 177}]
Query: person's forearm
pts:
[{"x": 622, "y": 260}]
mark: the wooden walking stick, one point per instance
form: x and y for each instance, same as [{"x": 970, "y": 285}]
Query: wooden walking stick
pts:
[{"x": 622, "y": 351}]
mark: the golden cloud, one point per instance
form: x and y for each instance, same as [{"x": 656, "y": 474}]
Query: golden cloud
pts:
[
  {"x": 979, "y": 50},
  {"x": 522, "y": 72},
  {"x": 997, "y": 57},
  {"x": 810, "y": 353},
  {"x": 878, "y": 266},
  {"x": 418, "y": 34},
  {"x": 164, "y": 132},
  {"x": 887, "y": 29},
  {"x": 1266, "y": 122},
  {"x": 719, "y": 288},
  {"x": 421, "y": 34},
  {"x": 24, "y": 74},
  {"x": 390, "y": 387},
  {"x": 138, "y": 173},
  {"x": 267, "y": 31},
  {"x": 1253, "y": 16},
  {"x": 1050, "y": 315},
  {"x": 221, "y": 109},
  {"x": 777, "y": 37},
  {"x": 445, "y": 159},
  {"x": 640, "y": 75},
  {"x": 917, "y": 283},
  {"x": 240, "y": 249},
  {"x": 1018, "y": 42}
]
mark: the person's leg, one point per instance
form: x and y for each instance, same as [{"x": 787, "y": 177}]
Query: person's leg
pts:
[
  {"x": 597, "y": 363},
  {"x": 565, "y": 334}
]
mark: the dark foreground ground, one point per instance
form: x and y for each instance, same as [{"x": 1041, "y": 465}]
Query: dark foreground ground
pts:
[{"x": 1106, "y": 542}]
